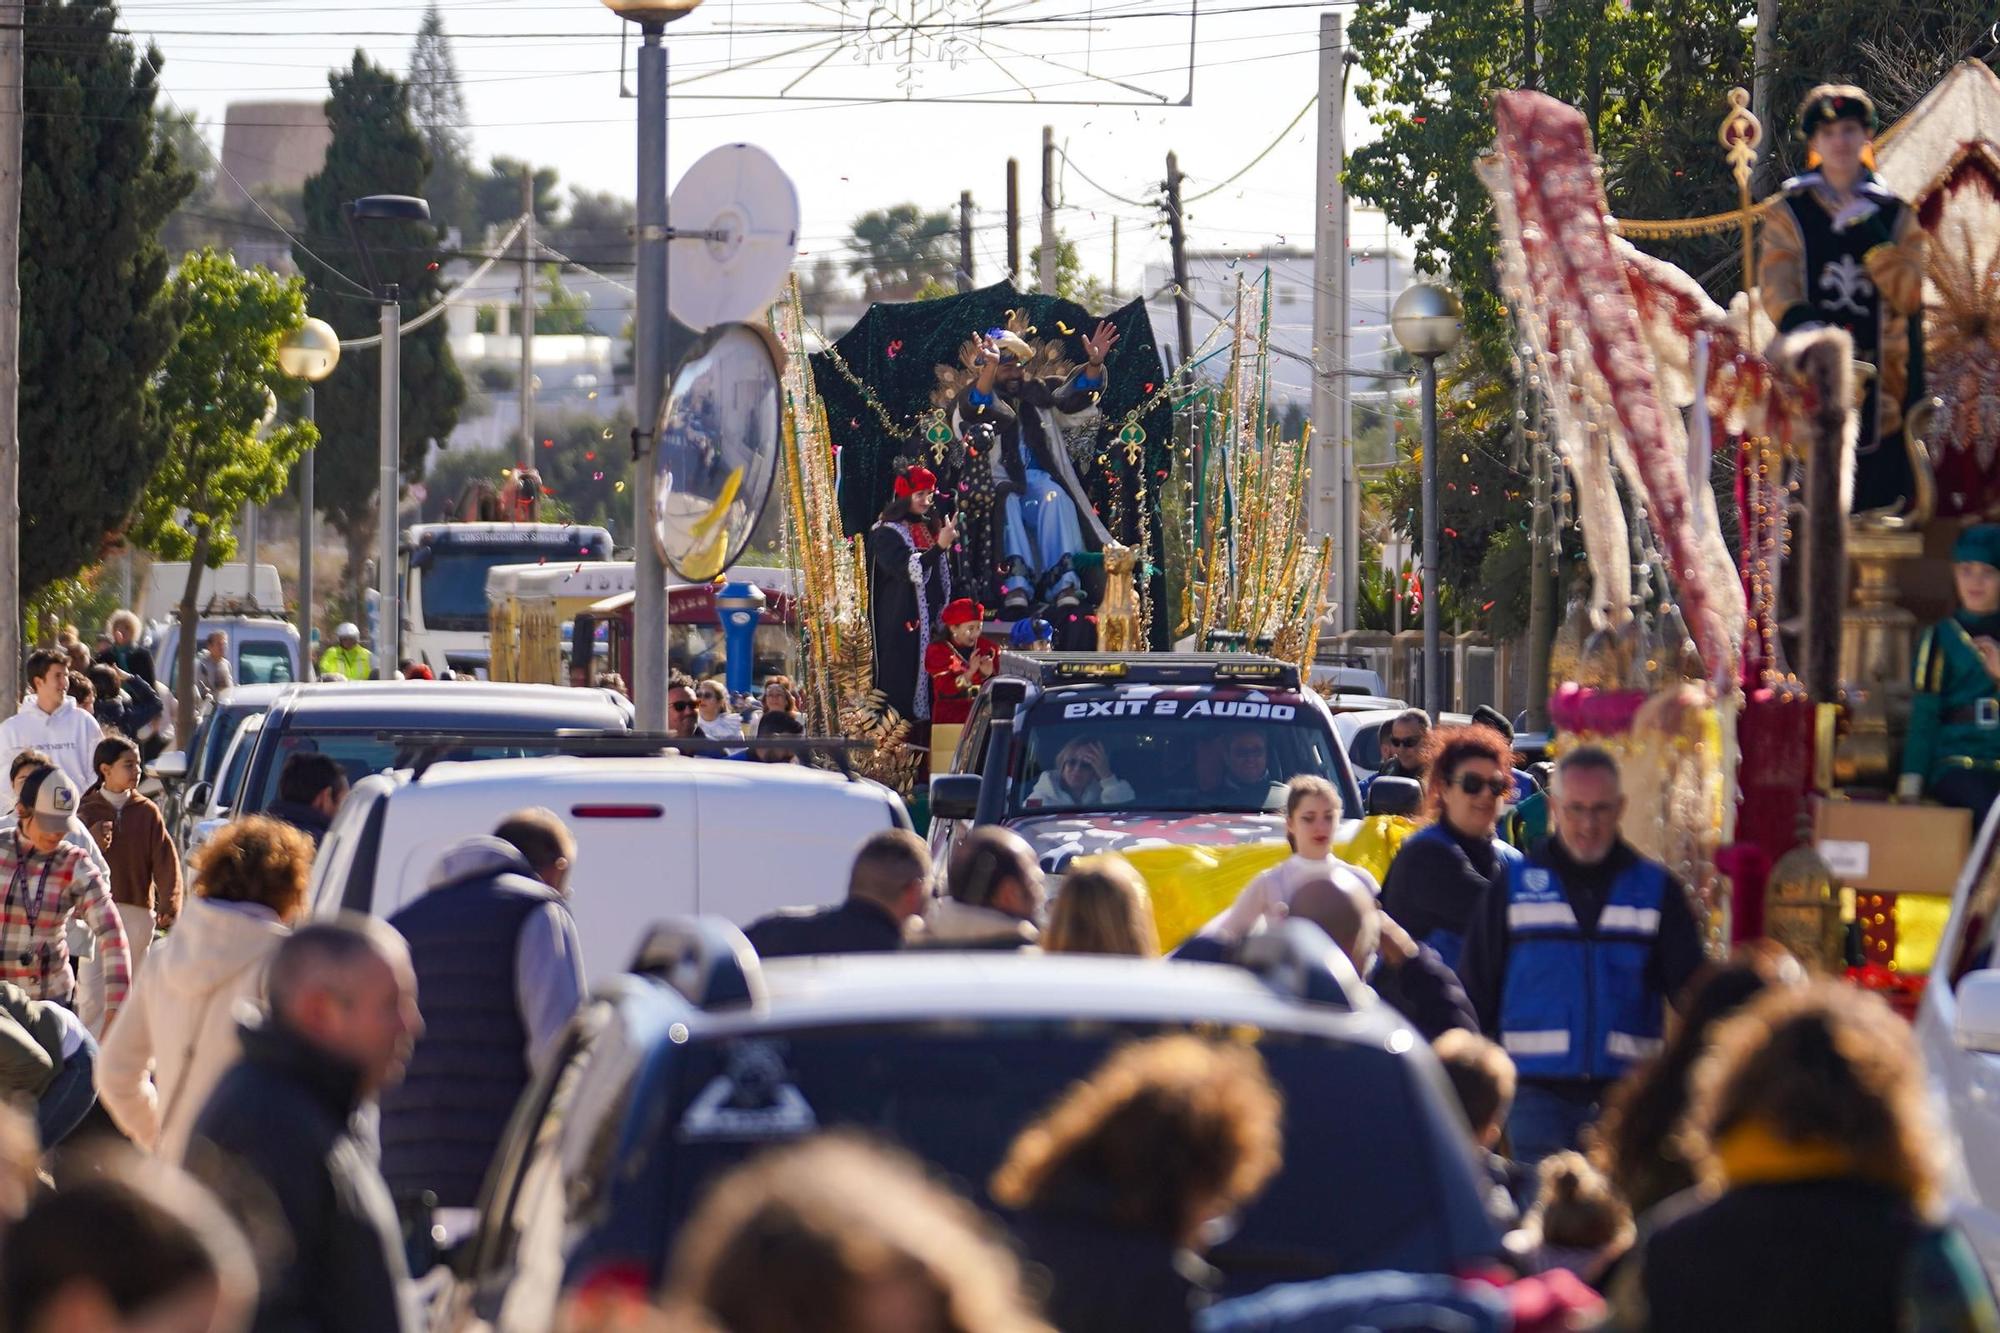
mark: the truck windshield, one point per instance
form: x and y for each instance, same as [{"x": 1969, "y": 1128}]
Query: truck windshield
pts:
[
  {"x": 454, "y": 582},
  {"x": 1207, "y": 752}
]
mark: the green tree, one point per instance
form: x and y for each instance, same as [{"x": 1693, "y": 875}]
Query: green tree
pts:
[
  {"x": 496, "y": 195},
  {"x": 896, "y": 250},
  {"x": 437, "y": 104},
  {"x": 99, "y": 179},
  {"x": 1072, "y": 284},
  {"x": 214, "y": 392},
  {"x": 597, "y": 230},
  {"x": 559, "y": 310},
  {"x": 375, "y": 150}
]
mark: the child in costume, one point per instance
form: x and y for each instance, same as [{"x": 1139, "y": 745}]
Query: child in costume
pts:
[
  {"x": 1952, "y": 753},
  {"x": 958, "y": 662},
  {"x": 1032, "y": 636}
]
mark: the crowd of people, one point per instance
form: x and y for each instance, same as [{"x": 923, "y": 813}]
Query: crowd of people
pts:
[{"x": 231, "y": 1114}]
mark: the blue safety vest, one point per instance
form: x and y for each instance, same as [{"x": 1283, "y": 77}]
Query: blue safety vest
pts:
[
  {"x": 1576, "y": 1004},
  {"x": 1450, "y": 943}
]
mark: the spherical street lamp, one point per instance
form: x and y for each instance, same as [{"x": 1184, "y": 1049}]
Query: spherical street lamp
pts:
[
  {"x": 651, "y": 11},
  {"x": 1428, "y": 321},
  {"x": 309, "y": 353}
]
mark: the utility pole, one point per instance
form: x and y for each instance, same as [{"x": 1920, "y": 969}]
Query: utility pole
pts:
[
  {"x": 1114, "y": 255},
  {"x": 1047, "y": 277},
  {"x": 1530, "y": 57},
  {"x": 13, "y": 63},
  {"x": 1326, "y": 500},
  {"x": 1177, "y": 237},
  {"x": 1014, "y": 221},
  {"x": 1541, "y": 562},
  {"x": 527, "y": 329},
  {"x": 965, "y": 240},
  {"x": 1761, "y": 58}
]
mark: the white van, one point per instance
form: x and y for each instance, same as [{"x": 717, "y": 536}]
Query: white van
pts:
[{"x": 657, "y": 836}]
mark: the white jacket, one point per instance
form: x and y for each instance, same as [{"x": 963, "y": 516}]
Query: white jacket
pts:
[
  {"x": 69, "y": 736},
  {"x": 177, "y": 1033}
]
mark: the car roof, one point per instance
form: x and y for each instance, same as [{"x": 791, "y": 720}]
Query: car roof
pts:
[
  {"x": 250, "y": 696},
  {"x": 496, "y": 707},
  {"x": 613, "y": 774},
  {"x": 930, "y": 986}
]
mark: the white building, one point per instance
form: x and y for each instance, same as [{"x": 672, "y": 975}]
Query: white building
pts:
[{"x": 1376, "y": 273}]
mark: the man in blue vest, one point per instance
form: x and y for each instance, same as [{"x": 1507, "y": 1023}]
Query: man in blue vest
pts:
[
  {"x": 499, "y": 972},
  {"x": 1573, "y": 955}
]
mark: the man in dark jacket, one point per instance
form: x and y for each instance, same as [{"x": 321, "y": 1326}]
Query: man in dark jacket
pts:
[
  {"x": 311, "y": 787},
  {"x": 278, "y": 1143},
  {"x": 1409, "y": 977},
  {"x": 1572, "y": 956},
  {"x": 501, "y": 972},
  {"x": 885, "y": 889}
]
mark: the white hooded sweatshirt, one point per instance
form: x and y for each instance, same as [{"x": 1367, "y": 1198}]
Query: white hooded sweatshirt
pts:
[
  {"x": 69, "y": 736},
  {"x": 176, "y": 1035}
]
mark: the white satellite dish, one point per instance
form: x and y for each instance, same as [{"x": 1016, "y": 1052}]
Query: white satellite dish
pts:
[{"x": 735, "y": 218}]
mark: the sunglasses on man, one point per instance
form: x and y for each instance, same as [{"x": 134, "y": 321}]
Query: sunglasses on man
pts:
[
  {"x": 1472, "y": 784},
  {"x": 1403, "y": 742},
  {"x": 683, "y": 705}
]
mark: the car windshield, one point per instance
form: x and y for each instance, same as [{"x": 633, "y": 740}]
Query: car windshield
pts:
[
  {"x": 238, "y": 763},
  {"x": 219, "y": 731},
  {"x": 263, "y": 662},
  {"x": 454, "y": 582},
  {"x": 1211, "y": 752},
  {"x": 956, "y": 1095},
  {"x": 361, "y": 753}
]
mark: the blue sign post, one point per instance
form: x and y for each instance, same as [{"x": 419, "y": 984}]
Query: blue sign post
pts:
[{"x": 739, "y": 606}]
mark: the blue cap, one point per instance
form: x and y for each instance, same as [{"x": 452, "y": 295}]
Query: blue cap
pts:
[{"x": 1026, "y": 632}]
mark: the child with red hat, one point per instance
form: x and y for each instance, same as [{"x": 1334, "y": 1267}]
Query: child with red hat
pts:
[{"x": 959, "y": 662}]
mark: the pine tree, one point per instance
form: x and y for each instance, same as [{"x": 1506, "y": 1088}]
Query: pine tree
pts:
[
  {"x": 437, "y": 104},
  {"x": 98, "y": 181},
  {"x": 376, "y": 149}
]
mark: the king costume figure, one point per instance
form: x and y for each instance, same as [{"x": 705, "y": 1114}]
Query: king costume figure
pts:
[
  {"x": 1840, "y": 249},
  {"x": 1952, "y": 753},
  {"x": 909, "y": 583},
  {"x": 1045, "y": 507}
]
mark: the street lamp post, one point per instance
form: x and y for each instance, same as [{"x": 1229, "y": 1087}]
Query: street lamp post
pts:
[
  {"x": 649, "y": 355},
  {"x": 309, "y": 353},
  {"x": 1427, "y": 319},
  {"x": 387, "y": 208}
]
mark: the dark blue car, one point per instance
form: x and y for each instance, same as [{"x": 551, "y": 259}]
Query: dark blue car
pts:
[{"x": 671, "y": 1076}]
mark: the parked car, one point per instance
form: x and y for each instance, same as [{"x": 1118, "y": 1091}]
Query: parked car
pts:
[
  {"x": 188, "y": 775},
  {"x": 222, "y": 794},
  {"x": 1164, "y": 721},
  {"x": 1361, "y": 733},
  {"x": 656, "y": 836},
  {"x": 349, "y": 719},
  {"x": 263, "y": 650},
  {"x": 669, "y": 1077},
  {"x": 1958, "y": 1029}
]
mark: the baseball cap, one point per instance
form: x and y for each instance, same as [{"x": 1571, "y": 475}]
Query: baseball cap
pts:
[{"x": 50, "y": 797}]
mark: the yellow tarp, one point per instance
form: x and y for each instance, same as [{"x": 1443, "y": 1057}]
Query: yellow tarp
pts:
[
  {"x": 1920, "y": 919},
  {"x": 1191, "y": 884}
]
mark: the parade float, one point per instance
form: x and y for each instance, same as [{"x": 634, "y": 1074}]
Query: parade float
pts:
[
  {"x": 1124, "y": 508},
  {"x": 1760, "y": 700}
]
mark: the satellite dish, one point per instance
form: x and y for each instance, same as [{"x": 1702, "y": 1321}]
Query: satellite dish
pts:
[
  {"x": 749, "y": 212},
  {"x": 719, "y": 435}
]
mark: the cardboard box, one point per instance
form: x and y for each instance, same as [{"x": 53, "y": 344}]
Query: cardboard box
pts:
[{"x": 1888, "y": 848}]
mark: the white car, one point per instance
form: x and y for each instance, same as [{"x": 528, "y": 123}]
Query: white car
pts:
[
  {"x": 657, "y": 836},
  {"x": 1958, "y": 1029},
  {"x": 220, "y": 795}
]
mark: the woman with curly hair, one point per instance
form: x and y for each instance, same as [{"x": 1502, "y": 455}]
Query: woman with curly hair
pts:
[
  {"x": 177, "y": 1032},
  {"x": 839, "y": 1236},
  {"x": 1116, "y": 1182},
  {"x": 1435, "y": 882},
  {"x": 1809, "y": 1123}
]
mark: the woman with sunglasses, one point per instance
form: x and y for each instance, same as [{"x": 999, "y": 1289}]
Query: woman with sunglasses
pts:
[
  {"x": 712, "y": 718},
  {"x": 1435, "y": 882}
]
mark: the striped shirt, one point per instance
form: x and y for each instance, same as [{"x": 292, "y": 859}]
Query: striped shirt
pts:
[{"x": 42, "y": 894}]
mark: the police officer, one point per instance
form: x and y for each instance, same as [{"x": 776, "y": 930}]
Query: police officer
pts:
[
  {"x": 1953, "y": 750},
  {"x": 347, "y": 659},
  {"x": 1573, "y": 955}
]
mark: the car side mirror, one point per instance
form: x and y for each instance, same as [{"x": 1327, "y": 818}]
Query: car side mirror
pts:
[
  {"x": 1394, "y": 796},
  {"x": 170, "y": 767},
  {"x": 955, "y": 795},
  {"x": 197, "y": 795},
  {"x": 1978, "y": 1025}
]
